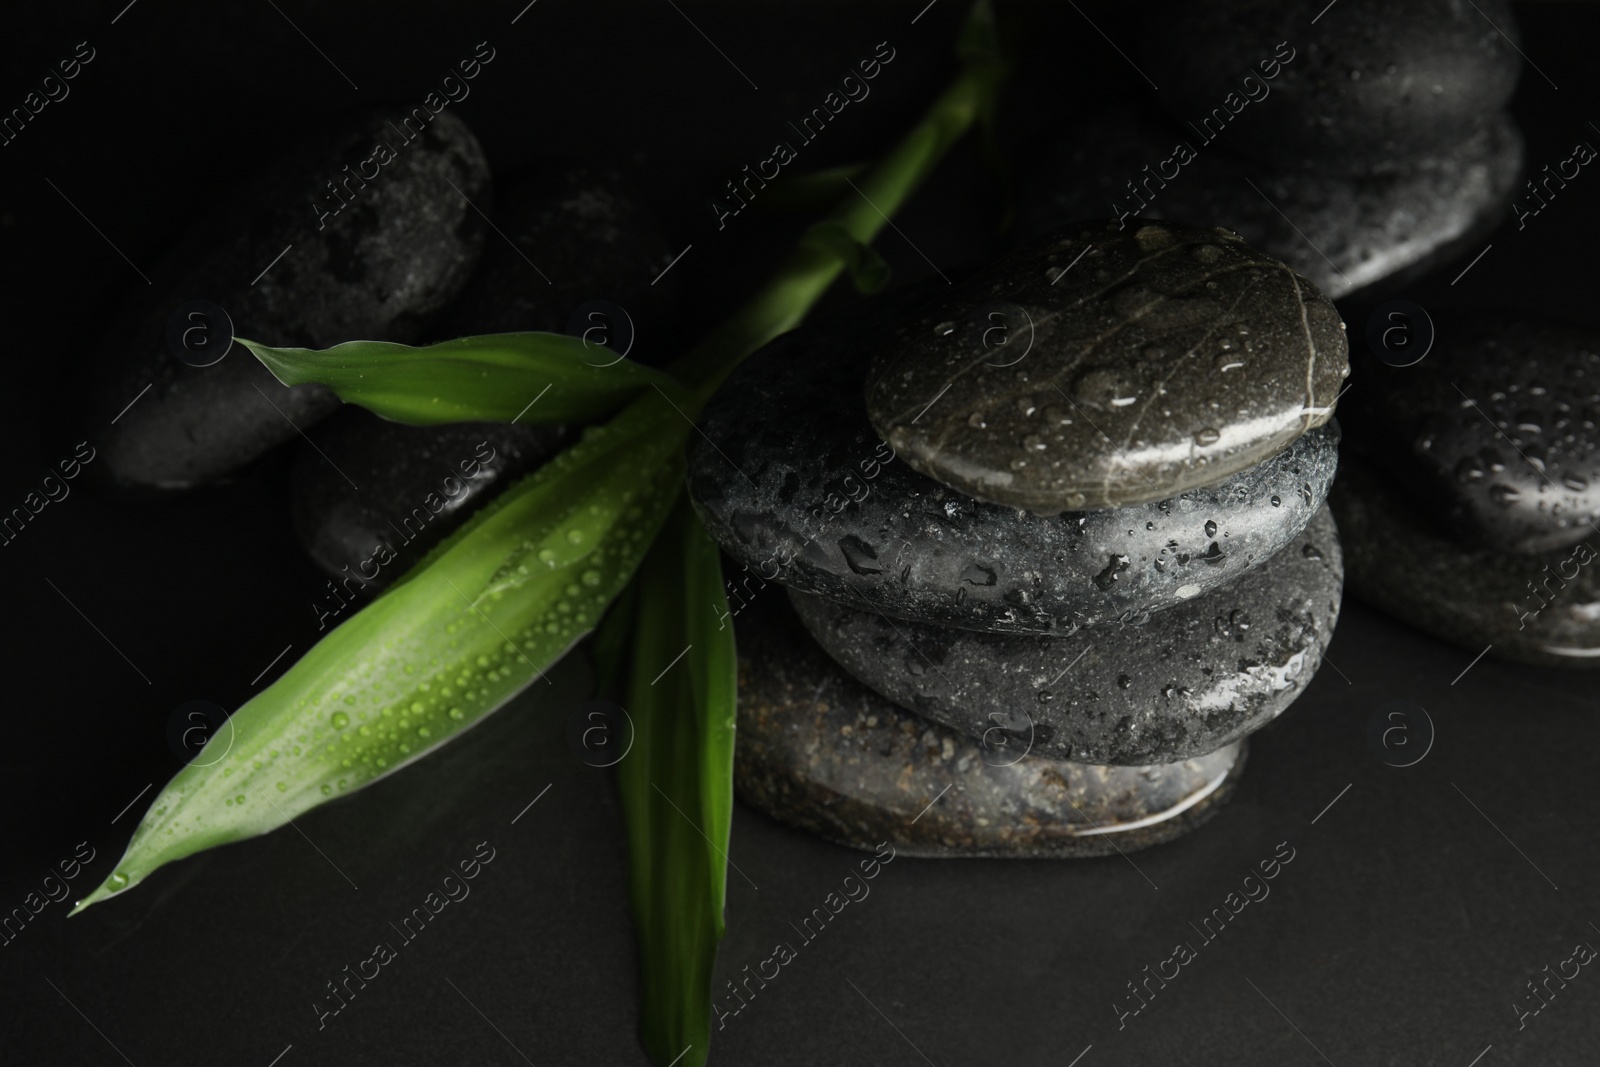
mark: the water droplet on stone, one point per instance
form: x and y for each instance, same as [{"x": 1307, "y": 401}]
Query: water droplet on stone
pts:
[
  {"x": 975, "y": 420},
  {"x": 1206, "y": 436},
  {"x": 1276, "y": 501},
  {"x": 1211, "y": 528},
  {"x": 862, "y": 557},
  {"x": 1504, "y": 495},
  {"x": 978, "y": 574},
  {"x": 1115, "y": 565}
]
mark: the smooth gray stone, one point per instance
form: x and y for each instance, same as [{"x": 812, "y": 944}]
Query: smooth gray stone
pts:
[
  {"x": 372, "y": 497},
  {"x": 565, "y": 237},
  {"x": 1138, "y": 362},
  {"x": 377, "y": 269},
  {"x": 1371, "y": 227},
  {"x": 1542, "y": 609},
  {"x": 819, "y": 752},
  {"x": 1185, "y": 683},
  {"x": 792, "y": 482},
  {"x": 1495, "y": 431},
  {"x": 1367, "y": 85}
]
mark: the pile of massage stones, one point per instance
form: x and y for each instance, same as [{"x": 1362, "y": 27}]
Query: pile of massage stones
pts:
[{"x": 1052, "y": 540}]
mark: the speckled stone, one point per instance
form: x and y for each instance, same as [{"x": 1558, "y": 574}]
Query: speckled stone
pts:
[
  {"x": 1388, "y": 226},
  {"x": 1368, "y": 84},
  {"x": 1542, "y": 609},
  {"x": 378, "y": 269},
  {"x": 1186, "y": 682},
  {"x": 794, "y": 484},
  {"x": 1495, "y": 431},
  {"x": 566, "y": 237},
  {"x": 408, "y": 487},
  {"x": 820, "y": 752},
  {"x": 1164, "y": 358}
]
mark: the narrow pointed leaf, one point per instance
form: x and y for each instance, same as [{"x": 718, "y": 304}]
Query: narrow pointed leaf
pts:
[
  {"x": 472, "y": 625},
  {"x": 677, "y": 786},
  {"x": 497, "y": 377}
]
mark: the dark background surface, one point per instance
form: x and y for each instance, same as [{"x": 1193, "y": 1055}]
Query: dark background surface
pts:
[{"x": 1414, "y": 912}]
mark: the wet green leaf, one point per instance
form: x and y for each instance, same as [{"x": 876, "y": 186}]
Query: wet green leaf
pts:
[
  {"x": 471, "y": 626},
  {"x": 677, "y": 785},
  {"x": 497, "y": 377}
]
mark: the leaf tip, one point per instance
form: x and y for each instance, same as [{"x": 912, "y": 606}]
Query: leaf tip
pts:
[{"x": 117, "y": 882}]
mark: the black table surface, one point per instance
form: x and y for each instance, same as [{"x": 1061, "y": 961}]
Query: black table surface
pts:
[{"x": 1419, "y": 902}]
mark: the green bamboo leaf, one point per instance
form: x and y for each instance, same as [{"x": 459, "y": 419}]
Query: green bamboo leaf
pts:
[
  {"x": 465, "y": 631},
  {"x": 677, "y": 786},
  {"x": 497, "y": 377}
]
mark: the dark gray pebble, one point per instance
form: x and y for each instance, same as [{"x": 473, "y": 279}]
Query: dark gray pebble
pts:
[
  {"x": 1185, "y": 683},
  {"x": 1360, "y": 89},
  {"x": 372, "y": 496},
  {"x": 794, "y": 484},
  {"x": 1542, "y": 609},
  {"x": 565, "y": 238},
  {"x": 820, "y": 752},
  {"x": 1136, "y": 363},
  {"x": 377, "y": 268},
  {"x": 1343, "y": 232},
  {"x": 1495, "y": 431},
  {"x": 585, "y": 230}
]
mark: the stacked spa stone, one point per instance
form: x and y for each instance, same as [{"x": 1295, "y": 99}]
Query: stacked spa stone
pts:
[
  {"x": 1369, "y": 146},
  {"x": 1471, "y": 508},
  {"x": 1059, "y": 528}
]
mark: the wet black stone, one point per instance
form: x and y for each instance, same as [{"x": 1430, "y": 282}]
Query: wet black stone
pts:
[
  {"x": 1496, "y": 433},
  {"x": 583, "y": 229},
  {"x": 818, "y": 751},
  {"x": 1367, "y": 85},
  {"x": 1137, "y": 363},
  {"x": 1391, "y": 225},
  {"x": 373, "y": 496},
  {"x": 377, "y": 269},
  {"x": 1542, "y": 609},
  {"x": 794, "y": 484},
  {"x": 1186, "y": 682},
  {"x": 564, "y": 238}
]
